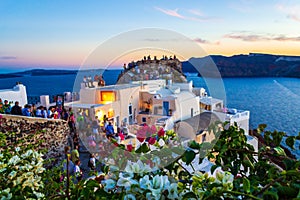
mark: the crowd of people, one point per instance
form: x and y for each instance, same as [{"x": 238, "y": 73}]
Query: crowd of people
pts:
[
  {"x": 31, "y": 110},
  {"x": 89, "y": 82},
  {"x": 92, "y": 135}
]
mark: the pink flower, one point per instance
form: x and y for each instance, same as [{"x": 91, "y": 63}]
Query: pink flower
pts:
[
  {"x": 141, "y": 139},
  {"x": 152, "y": 130},
  {"x": 141, "y": 134},
  {"x": 129, "y": 147},
  {"x": 161, "y": 132},
  {"x": 152, "y": 141}
]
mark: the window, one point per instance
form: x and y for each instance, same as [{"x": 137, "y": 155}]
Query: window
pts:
[
  {"x": 144, "y": 120},
  {"x": 108, "y": 96},
  {"x": 130, "y": 114},
  {"x": 203, "y": 137},
  {"x": 118, "y": 121},
  {"x": 130, "y": 109},
  {"x": 192, "y": 112}
]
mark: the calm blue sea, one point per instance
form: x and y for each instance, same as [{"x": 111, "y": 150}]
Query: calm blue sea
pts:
[{"x": 273, "y": 101}]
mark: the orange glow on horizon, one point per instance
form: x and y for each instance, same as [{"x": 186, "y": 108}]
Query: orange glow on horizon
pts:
[{"x": 75, "y": 58}]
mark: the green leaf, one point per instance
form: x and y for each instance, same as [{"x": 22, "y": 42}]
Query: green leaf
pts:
[
  {"x": 85, "y": 192},
  {"x": 280, "y": 151},
  {"x": 290, "y": 141},
  {"x": 143, "y": 148},
  {"x": 178, "y": 150},
  {"x": 298, "y": 137},
  {"x": 213, "y": 168},
  {"x": 194, "y": 145},
  {"x": 270, "y": 195},
  {"x": 261, "y": 128},
  {"x": 189, "y": 156},
  {"x": 92, "y": 183},
  {"x": 189, "y": 195},
  {"x": 293, "y": 173},
  {"x": 289, "y": 163},
  {"x": 246, "y": 185}
]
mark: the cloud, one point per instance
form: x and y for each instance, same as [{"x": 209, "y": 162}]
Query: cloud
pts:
[
  {"x": 196, "y": 12},
  {"x": 202, "y": 41},
  {"x": 294, "y": 17},
  {"x": 198, "y": 40},
  {"x": 196, "y": 15},
  {"x": 291, "y": 11},
  {"x": 256, "y": 37},
  {"x": 173, "y": 13},
  {"x": 8, "y": 57}
]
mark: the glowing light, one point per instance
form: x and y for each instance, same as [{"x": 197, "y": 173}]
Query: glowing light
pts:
[
  {"x": 99, "y": 114},
  {"x": 108, "y": 96},
  {"x": 111, "y": 113}
]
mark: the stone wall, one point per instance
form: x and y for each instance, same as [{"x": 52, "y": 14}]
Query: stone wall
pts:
[{"x": 20, "y": 131}]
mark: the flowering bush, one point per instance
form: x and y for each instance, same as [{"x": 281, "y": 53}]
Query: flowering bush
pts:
[
  {"x": 163, "y": 170},
  {"x": 135, "y": 182},
  {"x": 21, "y": 172}
]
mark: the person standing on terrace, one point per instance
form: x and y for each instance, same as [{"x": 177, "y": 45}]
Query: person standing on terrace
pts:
[
  {"x": 110, "y": 132},
  {"x": 38, "y": 112},
  {"x": 1, "y": 109},
  {"x": 26, "y": 110},
  {"x": 75, "y": 154},
  {"x": 85, "y": 81},
  {"x": 16, "y": 109},
  {"x": 6, "y": 107}
]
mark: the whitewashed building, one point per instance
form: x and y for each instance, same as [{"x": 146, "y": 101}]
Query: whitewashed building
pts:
[{"x": 17, "y": 93}]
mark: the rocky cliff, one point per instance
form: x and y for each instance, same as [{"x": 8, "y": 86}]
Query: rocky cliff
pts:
[{"x": 252, "y": 65}]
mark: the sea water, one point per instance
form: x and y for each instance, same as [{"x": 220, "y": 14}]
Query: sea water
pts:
[{"x": 272, "y": 101}]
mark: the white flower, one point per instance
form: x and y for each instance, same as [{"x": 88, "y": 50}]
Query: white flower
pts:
[
  {"x": 158, "y": 185},
  {"x": 6, "y": 194},
  {"x": 38, "y": 194},
  {"x": 161, "y": 142},
  {"x": 17, "y": 149},
  {"x": 160, "y": 182},
  {"x": 14, "y": 160},
  {"x": 228, "y": 177},
  {"x": 126, "y": 182},
  {"x": 27, "y": 154},
  {"x": 145, "y": 182},
  {"x": 28, "y": 167},
  {"x": 7, "y": 190},
  {"x": 12, "y": 174},
  {"x": 126, "y": 175},
  {"x": 129, "y": 197},
  {"x": 149, "y": 196},
  {"x": 108, "y": 184},
  {"x": 173, "y": 193},
  {"x": 139, "y": 167},
  {"x": 40, "y": 170}
]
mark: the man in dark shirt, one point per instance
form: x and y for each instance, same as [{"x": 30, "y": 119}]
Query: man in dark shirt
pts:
[{"x": 16, "y": 109}]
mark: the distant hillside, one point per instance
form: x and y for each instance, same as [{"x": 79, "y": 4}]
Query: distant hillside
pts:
[
  {"x": 252, "y": 65},
  {"x": 45, "y": 72},
  {"x": 39, "y": 72}
]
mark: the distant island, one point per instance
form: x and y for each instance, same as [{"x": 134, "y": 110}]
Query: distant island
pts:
[
  {"x": 39, "y": 72},
  {"x": 252, "y": 65}
]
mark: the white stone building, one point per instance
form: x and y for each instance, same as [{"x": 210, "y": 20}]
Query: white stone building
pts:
[{"x": 17, "y": 93}]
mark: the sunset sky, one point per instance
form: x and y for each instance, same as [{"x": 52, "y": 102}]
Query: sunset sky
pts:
[{"x": 62, "y": 34}]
